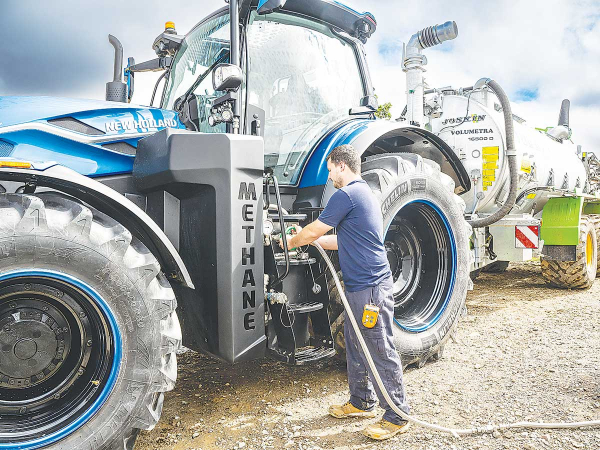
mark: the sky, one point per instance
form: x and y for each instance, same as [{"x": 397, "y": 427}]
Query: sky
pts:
[{"x": 540, "y": 51}]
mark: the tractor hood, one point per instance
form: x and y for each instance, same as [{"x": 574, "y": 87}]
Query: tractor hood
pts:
[
  {"x": 94, "y": 138},
  {"x": 107, "y": 117}
]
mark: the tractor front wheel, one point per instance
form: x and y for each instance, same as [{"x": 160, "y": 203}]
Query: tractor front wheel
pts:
[{"x": 88, "y": 329}]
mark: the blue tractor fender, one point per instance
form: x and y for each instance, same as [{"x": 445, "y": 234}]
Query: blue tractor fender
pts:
[
  {"x": 110, "y": 202},
  {"x": 382, "y": 136}
]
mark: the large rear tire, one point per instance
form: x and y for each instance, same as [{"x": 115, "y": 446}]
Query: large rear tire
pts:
[
  {"x": 427, "y": 240},
  {"x": 88, "y": 329},
  {"x": 581, "y": 273}
]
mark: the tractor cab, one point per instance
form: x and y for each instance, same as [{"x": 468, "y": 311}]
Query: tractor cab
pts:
[{"x": 303, "y": 73}]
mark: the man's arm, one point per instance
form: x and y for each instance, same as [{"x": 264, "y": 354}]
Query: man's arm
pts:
[
  {"x": 309, "y": 234},
  {"x": 328, "y": 242}
]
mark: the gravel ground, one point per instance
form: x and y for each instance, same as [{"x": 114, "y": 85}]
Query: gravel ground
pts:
[{"x": 524, "y": 352}]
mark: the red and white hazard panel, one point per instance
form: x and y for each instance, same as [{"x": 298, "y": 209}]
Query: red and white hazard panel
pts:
[{"x": 527, "y": 236}]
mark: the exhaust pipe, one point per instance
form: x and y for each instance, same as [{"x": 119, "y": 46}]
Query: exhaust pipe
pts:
[
  {"x": 563, "y": 117},
  {"x": 413, "y": 61},
  {"x": 562, "y": 131},
  {"x": 116, "y": 90}
]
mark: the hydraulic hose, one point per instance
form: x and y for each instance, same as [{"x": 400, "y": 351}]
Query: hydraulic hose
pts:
[
  {"x": 510, "y": 153},
  {"x": 457, "y": 432}
]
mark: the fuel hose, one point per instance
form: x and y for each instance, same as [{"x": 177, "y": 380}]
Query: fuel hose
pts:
[{"x": 457, "y": 432}]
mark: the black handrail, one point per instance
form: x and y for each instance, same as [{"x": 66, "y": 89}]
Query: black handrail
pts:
[{"x": 282, "y": 226}]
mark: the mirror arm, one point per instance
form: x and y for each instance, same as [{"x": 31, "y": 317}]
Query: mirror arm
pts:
[{"x": 154, "y": 65}]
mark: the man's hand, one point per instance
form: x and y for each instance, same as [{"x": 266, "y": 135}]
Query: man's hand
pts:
[
  {"x": 295, "y": 229},
  {"x": 306, "y": 235}
]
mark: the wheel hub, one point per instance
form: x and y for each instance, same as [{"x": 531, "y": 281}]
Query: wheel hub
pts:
[
  {"x": 403, "y": 252},
  {"x": 33, "y": 344},
  {"x": 589, "y": 250}
]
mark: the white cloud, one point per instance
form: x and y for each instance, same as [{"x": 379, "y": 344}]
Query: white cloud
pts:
[{"x": 549, "y": 45}]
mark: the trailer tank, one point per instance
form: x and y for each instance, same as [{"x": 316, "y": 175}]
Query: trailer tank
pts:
[{"x": 472, "y": 123}]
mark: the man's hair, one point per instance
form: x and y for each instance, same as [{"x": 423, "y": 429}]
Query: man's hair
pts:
[{"x": 346, "y": 154}]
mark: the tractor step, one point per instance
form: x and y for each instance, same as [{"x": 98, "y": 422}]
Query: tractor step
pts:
[
  {"x": 304, "y": 307},
  {"x": 303, "y": 356}
]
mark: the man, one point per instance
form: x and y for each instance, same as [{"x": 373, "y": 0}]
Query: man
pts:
[{"x": 356, "y": 214}]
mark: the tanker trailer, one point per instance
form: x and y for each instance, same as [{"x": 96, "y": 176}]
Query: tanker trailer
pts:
[{"x": 545, "y": 205}]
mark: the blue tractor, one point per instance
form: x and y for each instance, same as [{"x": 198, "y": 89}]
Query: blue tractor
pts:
[{"x": 127, "y": 230}]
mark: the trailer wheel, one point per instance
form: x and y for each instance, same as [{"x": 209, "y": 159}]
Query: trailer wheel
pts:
[
  {"x": 88, "y": 329},
  {"x": 427, "y": 240},
  {"x": 578, "y": 274}
]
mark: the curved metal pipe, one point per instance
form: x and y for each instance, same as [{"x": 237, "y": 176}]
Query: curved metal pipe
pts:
[
  {"x": 118, "y": 68},
  {"x": 413, "y": 62}
]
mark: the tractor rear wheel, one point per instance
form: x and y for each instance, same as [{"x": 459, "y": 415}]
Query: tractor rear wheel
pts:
[
  {"x": 88, "y": 329},
  {"x": 427, "y": 242},
  {"x": 578, "y": 274}
]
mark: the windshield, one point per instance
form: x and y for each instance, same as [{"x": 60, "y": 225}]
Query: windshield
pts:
[
  {"x": 306, "y": 79},
  {"x": 200, "y": 50}
]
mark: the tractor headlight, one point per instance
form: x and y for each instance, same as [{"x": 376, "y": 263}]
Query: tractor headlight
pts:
[{"x": 227, "y": 77}]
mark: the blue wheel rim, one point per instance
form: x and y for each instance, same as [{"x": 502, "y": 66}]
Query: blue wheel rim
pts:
[{"x": 451, "y": 273}]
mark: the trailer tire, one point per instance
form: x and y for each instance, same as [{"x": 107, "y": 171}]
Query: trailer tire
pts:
[
  {"x": 421, "y": 214},
  {"x": 581, "y": 273},
  {"x": 97, "y": 332}
]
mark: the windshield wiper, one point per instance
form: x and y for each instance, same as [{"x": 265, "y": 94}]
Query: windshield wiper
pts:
[{"x": 224, "y": 55}]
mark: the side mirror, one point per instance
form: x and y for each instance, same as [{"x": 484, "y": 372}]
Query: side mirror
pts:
[
  {"x": 268, "y": 6},
  {"x": 370, "y": 101},
  {"x": 227, "y": 77}
]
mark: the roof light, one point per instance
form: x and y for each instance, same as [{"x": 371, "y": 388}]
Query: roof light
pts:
[
  {"x": 15, "y": 164},
  {"x": 169, "y": 25}
]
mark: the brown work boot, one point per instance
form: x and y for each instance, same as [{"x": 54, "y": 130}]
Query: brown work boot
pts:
[
  {"x": 349, "y": 410},
  {"x": 385, "y": 430}
]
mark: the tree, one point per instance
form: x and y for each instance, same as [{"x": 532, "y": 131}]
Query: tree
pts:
[{"x": 383, "y": 111}]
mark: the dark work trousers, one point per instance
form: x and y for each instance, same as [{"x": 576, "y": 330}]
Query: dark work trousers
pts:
[{"x": 363, "y": 388}]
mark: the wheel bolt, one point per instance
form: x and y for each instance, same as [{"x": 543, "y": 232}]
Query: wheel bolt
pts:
[
  {"x": 89, "y": 343},
  {"x": 80, "y": 371},
  {"x": 56, "y": 396},
  {"x": 27, "y": 287},
  {"x": 82, "y": 314},
  {"x": 12, "y": 305},
  {"x": 23, "y": 410},
  {"x": 45, "y": 308}
]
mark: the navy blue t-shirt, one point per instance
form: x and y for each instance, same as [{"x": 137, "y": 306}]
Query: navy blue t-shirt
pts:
[{"x": 356, "y": 213}]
